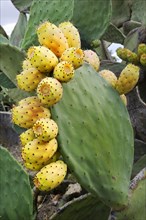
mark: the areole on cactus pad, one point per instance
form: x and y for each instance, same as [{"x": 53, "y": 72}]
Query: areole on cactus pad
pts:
[{"x": 96, "y": 136}]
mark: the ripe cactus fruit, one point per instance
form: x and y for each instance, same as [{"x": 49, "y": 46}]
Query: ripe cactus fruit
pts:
[
  {"x": 127, "y": 55},
  {"x": 73, "y": 55},
  {"x": 92, "y": 58},
  {"x": 141, "y": 49},
  {"x": 49, "y": 91},
  {"x": 26, "y": 65},
  {"x": 124, "y": 99},
  {"x": 45, "y": 129},
  {"x": 63, "y": 71},
  {"x": 71, "y": 33},
  {"x": 29, "y": 79},
  {"x": 50, "y": 176},
  {"x": 109, "y": 76},
  {"x": 143, "y": 59},
  {"x": 36, "y": 154},
  {"x": 51, "y": 36},
  {"x": 26, "y": 136},
  {"x": 27, "y": 113},
  {"x": 35, "y": 166},
  {"x": 42, "y": 58},
  {"x": 32, "y": 100},
  {"x": 127, "y": 79}
]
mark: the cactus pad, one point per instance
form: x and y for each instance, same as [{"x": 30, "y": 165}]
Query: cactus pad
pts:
[
  {"x": 95, "y": 136},
  {"x": 137, "y": 202},
  {"x": 93, "y": 27},
  {"x": 84, "y": 207},
  {"x": 16, "y": 194},
  {"x": 11, "y": 58}
]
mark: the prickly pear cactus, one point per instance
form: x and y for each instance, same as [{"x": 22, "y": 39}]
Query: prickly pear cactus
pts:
[
  {"x": 137, "y": 203},
  {"x": 11, "y": 58},
  {"x": 94, "y": 134},
  {"x": 16, "y": 193},
  {"x": 83, "y": 207}
]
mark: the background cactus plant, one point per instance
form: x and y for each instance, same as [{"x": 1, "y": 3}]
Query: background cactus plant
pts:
[
  {"x": 16, "y": 192},
  {"x": 114, "y": 21}
]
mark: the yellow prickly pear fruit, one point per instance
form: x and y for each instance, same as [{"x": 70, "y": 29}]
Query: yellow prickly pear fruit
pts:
[
  {"x": 127, "y": 79},
  {"x": 124, "y": 99},
  {"x": 32, "y": 100},
  {"x": 26, "y": 64},
  {"x": 37, "y": 154},
  {"x": 26, "y": 115},
  {"x": 92, "y": 58},
  {"x": 141, "y": 49},
  {"x": 42, "y": 58},
  {"x": 71, "y": 33},
  {"x": 109, "y": 76},
  {"x": 143, "y": 59},
  {"x": 29, "y": 79},
  {"x": 50, "y": 176},
  {"x": 35, "y": 166},
  {"x": 51, "y": 36},
  {"x": 49, "y": 91},
  {"x": 74, "y": 56},
  {"x": 63, "y": 71},
  {"x": 26, "y": 136},
  {"x": 45, "y": 129}
]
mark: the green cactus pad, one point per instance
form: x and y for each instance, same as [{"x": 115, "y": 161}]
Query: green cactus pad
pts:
[
  {"x": 139, "y": 165},
  {"x": 96, "y": 136},
  {"x": 6, "y": 82},
  {"x": 22, "y": 5},
  {"x": 3, "y": 39},
  {"x": 113, "y": 34},
  {"x": 129, "y": 26},
  {"x": 19, "y": 30},
  {"x": 120, "y": 12},
  {"x": 137, "y": 203},
  {"x": 54, "y": 11},
  {"x": 11, "y": 61},
  {"x": 131, "y": 41},
  {"x": 94, "y": 26},
  {"x": 17, "y": 94},
  {"x": 138, "y": 11},
  {"x": 84, "y": 207},
  {"x": 16, "y": 194}
]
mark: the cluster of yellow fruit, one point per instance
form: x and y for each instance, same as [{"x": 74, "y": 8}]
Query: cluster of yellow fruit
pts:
[
  {"x": 44, "y": 70},
  {"x": 126, "y": 81}
]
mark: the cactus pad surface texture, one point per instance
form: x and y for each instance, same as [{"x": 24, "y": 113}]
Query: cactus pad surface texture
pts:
[
  {"x": 82, "y": 208},
  {"x": 16, "y": 194},
  {"x": 96, "y": 136}
]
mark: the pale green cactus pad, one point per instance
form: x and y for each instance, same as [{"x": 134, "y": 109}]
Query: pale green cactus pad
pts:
[
  {"x": 96, "y": 136},
  {"x": 15, "y": 191},
  {"x": 136, "y": 209},
  {"x": 81, "y": 208}
]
